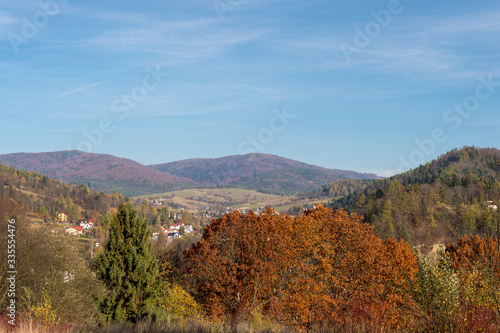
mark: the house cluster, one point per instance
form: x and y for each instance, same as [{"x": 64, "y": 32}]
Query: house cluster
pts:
[
  {"x": 492, "y": 205},
  {"x": 157, "y": 202},
  {"x": 175, "y": 231},
  {"x": 81, "y": 227}
]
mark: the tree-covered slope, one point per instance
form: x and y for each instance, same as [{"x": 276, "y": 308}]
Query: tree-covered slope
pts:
[
  {"x": 44, "y": 197},
  {"x": 439, "y": 201}
]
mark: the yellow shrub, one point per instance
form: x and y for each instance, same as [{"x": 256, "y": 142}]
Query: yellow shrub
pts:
[{"x": 180, "y": 305}]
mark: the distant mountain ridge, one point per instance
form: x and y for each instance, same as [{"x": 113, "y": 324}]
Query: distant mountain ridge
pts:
[
  {"x": 110, "y": 173},
  {"x": 104, "y": 172},
  {"x": 258, "y": 172}
]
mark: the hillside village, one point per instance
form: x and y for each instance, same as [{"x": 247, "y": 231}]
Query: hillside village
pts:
[{"x": 84, "y": 227}]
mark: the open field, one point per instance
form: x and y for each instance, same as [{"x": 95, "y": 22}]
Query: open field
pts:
[{"x": 199, "y": 199}]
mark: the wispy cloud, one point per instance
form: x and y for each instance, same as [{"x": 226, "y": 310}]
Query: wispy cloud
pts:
[
  {"x": 77, "y": 90},
  {"x": 180, "y": 47},
  {"x": 425, "y": 47},
  {"x": 6, "y": 19}
]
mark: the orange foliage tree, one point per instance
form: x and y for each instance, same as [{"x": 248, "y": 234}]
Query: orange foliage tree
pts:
[
  {"x": 301, "y": 271},
  {"x": 362, "y": 275},
  {"x": 242, "y": 262},
  {"x": 477, "y": 263}
]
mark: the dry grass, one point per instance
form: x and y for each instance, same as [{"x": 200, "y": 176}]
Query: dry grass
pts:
[{"x": 195, "y": 326}]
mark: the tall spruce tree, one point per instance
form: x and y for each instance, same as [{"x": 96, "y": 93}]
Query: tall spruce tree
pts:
[{"x": 128, "y": 269}]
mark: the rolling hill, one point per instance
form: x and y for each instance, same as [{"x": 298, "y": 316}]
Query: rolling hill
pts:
[
  {"x": 262, "y": 172},
  {"x": 103, "y": 172},
  {"x": 258, "y": 172},
  {"x": 451, "y": 196},
  {"x": 42, "y": 197}
]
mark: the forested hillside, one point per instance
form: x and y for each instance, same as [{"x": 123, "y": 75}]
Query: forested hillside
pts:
[
  {"x": 339, "y": 188},
  {"x": 440, "y": 201},
  {"x": 45, "y": 197}
]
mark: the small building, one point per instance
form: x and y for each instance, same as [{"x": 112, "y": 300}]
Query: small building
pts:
[
  {"x": 172, "y": 235},
  {"x": 86, "y": 224},
  {"x": 70, "y": 231},
  {"x": 78, "y": 230},
  {"x": 177, "y": 226},
  {"x": 62, "y": 217}
]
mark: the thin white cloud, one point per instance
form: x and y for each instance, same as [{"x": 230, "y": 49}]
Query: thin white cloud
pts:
[
  {"x": 474, "y": 22},
  {"x": 6, "y": 19},
  {"x": 77, "y": 90},
  {"x": 425, "y": 47},
  {"x": 150, "y": 21}
]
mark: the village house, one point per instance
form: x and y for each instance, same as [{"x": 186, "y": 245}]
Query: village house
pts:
[
  {"x": 157, "y": 202},
  {"x": 62, "y": 217},
  {"x": 79, "y": 229},
  {"x": 177, "y": 226},
  {"x": 86, "y": 224},
  {"x": 172, "y": 235},
  {"x": 154, "y": 236},
  {"x": 70, "y": 231}
]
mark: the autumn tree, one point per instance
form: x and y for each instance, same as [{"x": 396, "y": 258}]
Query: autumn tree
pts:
[
  {"x": 73, "y": 213},
  {"x": 128, "y": 269},
  {"x": 477, "y": 263},
  {"x": 301, "y": 271},
  {"x": 242, "y": 262},
  {"x": 361, "y": 272}
]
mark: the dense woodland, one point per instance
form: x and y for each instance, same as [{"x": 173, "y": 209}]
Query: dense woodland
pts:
[
  {"x": 338, "y": 189},
  {"x": 45, "y": 197},
  {"x": 436, "y": 202},
  {"x": 321, "y": 270}
]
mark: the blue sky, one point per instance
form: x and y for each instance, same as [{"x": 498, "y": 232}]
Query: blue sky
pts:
[{"x": 361, "y": 85}]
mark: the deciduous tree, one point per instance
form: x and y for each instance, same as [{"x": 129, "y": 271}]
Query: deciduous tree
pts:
[{"x": 301, "y": 271}]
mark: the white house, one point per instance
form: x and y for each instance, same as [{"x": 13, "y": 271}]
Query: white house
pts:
[
  {"x": 177, "y": 226},
  {"x": 172, "y": 235},
  {"x": 492, "y": 205},
  {"x": 71, "y": 231}
]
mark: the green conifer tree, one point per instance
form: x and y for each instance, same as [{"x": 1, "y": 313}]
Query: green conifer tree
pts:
[
  {"x": 384, "y": 225},
  {"x": 128, "y": 269},
  {"x": 405, "y": 235}
]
